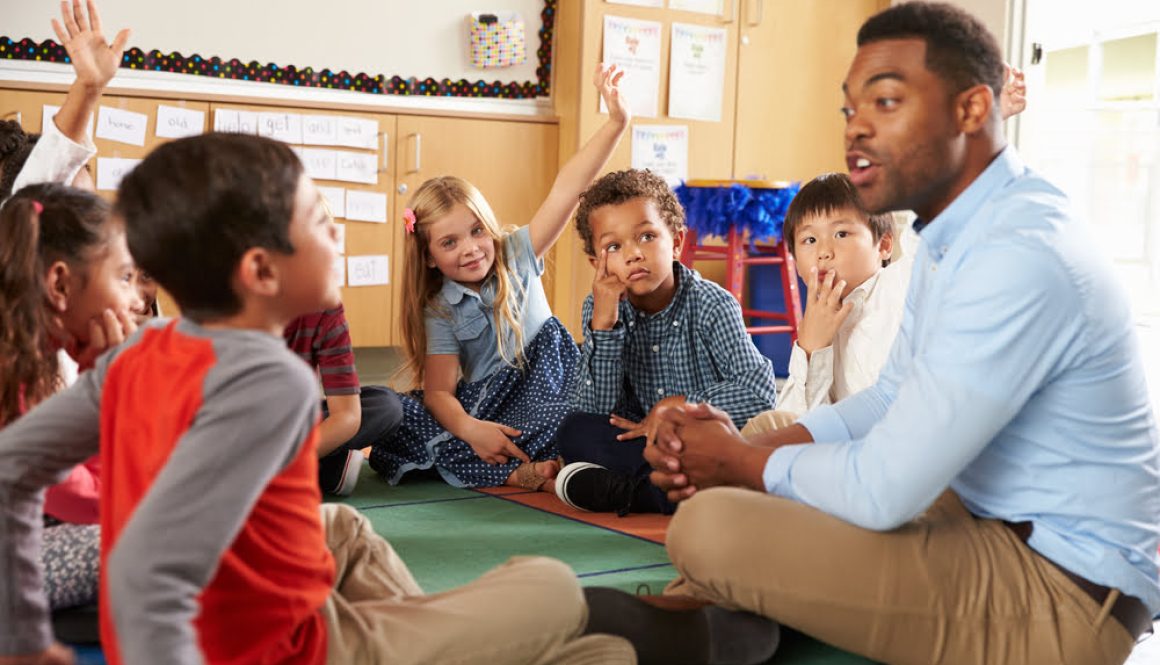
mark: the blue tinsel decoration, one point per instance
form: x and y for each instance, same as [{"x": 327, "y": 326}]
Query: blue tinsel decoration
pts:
[{"x": 713, "y": 211}]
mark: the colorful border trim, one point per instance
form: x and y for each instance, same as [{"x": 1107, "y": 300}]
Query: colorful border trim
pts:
[{"x": 234, "y": 69}]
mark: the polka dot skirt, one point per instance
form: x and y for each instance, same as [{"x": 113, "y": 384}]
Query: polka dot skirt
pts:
[{"x": 533, "y": 401}]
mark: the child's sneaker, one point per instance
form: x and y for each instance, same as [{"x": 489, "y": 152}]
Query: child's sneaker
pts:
[
  {"x": 338, "y": 473},
  {"x": 591, "y": 487}
]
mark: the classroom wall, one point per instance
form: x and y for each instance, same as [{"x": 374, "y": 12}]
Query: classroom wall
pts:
[
  {"x": 993, "y": 13},
  {"x": 393, "y": 37}
]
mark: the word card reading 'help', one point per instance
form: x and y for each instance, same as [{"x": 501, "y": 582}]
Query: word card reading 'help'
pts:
[{"x": 368, "y": 270}]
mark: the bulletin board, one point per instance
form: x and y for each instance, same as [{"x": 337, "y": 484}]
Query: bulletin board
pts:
[{"x": 369, "y": 33}]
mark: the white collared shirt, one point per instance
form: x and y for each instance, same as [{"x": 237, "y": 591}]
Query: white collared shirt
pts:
[{"x": 860, "y": 348}]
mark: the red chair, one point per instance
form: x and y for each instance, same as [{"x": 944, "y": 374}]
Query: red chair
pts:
[{"x": 738, "y": 254}]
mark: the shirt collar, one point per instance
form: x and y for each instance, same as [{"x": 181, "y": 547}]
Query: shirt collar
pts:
[
  {"x": 861, "y": 292},
  {"x": 942, "y": 231},
  {"x": 685, "y": 278},
  {"x": 454, "y": 292}
]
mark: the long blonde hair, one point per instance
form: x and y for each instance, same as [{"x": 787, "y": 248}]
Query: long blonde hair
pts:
[{"x": 421, "y": 282}]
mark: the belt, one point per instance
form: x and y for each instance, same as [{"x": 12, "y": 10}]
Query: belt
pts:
[{"x": 1129, "y": 611}]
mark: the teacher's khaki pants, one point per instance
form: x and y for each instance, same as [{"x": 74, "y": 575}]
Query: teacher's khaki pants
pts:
[{"x": 944, "y": 588}]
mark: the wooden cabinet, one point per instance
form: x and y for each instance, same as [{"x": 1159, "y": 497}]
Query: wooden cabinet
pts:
[
  {"x": 30, "y": 107},
  {"x": 793, "y": 58},
  {"x": 512, "y": 162},
  {"x": 782, "y": 90},
  {"x": 368, "y": 308}
]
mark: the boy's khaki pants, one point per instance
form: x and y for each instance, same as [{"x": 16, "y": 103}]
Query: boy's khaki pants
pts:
[
  {"x": 767, "y": 421},
  {"x": 528, "y": 610},
  {"x": 946, "y": 587}
]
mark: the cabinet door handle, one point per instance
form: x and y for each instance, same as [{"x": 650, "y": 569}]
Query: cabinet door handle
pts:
[
  {"x": 386, "y": 152},
  {"x": 418, "y": 139},
  {"x": 760, "y": 13}
]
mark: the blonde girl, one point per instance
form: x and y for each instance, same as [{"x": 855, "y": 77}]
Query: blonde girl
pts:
[{"x": 493, "y": 363}]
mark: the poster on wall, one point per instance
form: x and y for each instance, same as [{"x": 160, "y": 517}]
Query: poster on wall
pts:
[
  {"x": 635, "y": 47},
  {"x": 697, "y": 72},
  {"x": 715, "y": 7},
  {"x": 662, "y": 149}
]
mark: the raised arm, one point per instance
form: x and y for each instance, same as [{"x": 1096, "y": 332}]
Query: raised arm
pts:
[
  {"x": 554, "y": 213},
  {"x": 93, "y": 58}
]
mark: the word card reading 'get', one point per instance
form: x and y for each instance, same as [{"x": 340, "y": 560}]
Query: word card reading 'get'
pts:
[{"x": 368, "y": 270}]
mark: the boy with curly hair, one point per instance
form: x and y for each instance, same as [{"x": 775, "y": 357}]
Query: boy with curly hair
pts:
[{"x": 655, "y": 333}]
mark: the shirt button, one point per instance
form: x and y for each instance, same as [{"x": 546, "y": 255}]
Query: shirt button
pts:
[
  {"x": 660, "y": 391},
  {"x": 588, "y": 382},
  {"x": 676, "y": 323},
  {"x": 630, "y": 323},
  {"x": 656, "y": 349}
]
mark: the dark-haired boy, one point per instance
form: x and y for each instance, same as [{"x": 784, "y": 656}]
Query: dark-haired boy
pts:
[
  {"x": 354, "y": 416},
  {"x": 213, "y": 548},
  {"x": 854, "y": 298},
  {"x": 655, "y": 333}
]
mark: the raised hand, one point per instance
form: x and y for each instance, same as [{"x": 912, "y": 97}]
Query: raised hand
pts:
[
  {"x": 493, "y": 443},
  {"x": 607, "y": 292},
  {"x": 1013, "y": 99},
  {"x": 93, "y": 58},
  {"x": 607, "y": 81},
  {"x": 824, "y": 314}
]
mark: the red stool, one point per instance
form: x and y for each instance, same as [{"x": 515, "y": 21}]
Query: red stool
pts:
[{"x": 738, "y": 254}]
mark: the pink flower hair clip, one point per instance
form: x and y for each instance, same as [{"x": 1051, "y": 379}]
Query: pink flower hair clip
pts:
[{"x": 409, "y": 220}]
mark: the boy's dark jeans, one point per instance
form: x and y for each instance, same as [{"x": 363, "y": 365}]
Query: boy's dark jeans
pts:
[
  {"x": 382, "y": 413},
  {"x": 589, "y": 437}
]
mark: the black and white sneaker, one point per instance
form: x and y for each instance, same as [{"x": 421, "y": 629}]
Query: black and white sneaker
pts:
[
  {"x": 591, "y": 487},
  {"x": 338, "y": 472}
]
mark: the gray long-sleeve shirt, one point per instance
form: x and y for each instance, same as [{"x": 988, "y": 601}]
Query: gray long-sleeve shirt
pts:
[{"x": 207, "y": 441}]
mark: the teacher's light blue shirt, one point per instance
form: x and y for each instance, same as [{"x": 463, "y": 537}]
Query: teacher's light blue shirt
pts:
[{"x": 1016, "y": 380}]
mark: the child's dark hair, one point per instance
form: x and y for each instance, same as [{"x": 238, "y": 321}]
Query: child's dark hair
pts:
[
  {"x": 959, "y": 48},
  {"x": 196, "y": 205},
  {"x": 15, "y": 146},
  {"x": 72, "y": 226},
  {"x": 825, "y": 195},
  {"x": 620, "y": 186}
]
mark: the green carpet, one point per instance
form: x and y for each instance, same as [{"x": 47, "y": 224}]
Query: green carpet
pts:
[{"x": 450, "y": 536}]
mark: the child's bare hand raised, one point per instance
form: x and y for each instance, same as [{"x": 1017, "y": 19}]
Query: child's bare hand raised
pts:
[
  {"x": 1013, "y": 99},
  {"x": 607, "y": 81},
  {"x": 607, "y": 292},
  {"x": 106, "y": 331},
  {"x": 94, "y": 59},
  {"x": 493, "y": 443},
  {"x": 824, "y": 314}
]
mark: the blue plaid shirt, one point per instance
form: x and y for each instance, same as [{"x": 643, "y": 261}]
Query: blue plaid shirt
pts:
[{"x": 696, "y": 347}]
